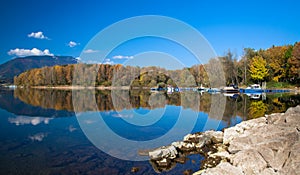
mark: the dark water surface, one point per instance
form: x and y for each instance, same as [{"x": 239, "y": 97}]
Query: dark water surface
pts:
[{"x": 41, "y": 133}]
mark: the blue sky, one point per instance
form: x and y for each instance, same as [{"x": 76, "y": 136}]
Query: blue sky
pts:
[{"x": 65, "y": 27}]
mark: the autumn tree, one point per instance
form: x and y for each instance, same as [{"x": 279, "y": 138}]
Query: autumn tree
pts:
[
  {"x": 276, "y": 58},
  {"x": 200, "y": 75},
  {"x": 294, "y": 64},
  {"x": 258, "y": 69}
]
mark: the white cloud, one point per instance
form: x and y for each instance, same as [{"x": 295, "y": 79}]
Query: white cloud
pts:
[
  {"x": 24, "y": 120},
  {"x": 78, "y": 59},
  {"x": 122, "y": 57},
  {"x": 89, "y": 121},
  {"x": 118, "y": 115},
  {"x": 73, "y": 44},
  {"x": 92, "y": 62},
  {"x": 28, "y": 52},
  {"x": 37, "y": 35},
  {"x": 107, "y": 61},
  {"x": 90, "y": 51},
  {"x": 38, "y": 137}
]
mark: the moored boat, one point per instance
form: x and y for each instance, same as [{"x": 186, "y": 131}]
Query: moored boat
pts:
[
  {"x": 255, "y": 88},
  {"x": 213, "y": 90},
  {"x": 230, "y": 89},
  {"x": 201, "y": 88}
]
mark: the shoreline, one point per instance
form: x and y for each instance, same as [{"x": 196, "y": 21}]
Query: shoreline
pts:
[
  {"x": 295, "y": 90},
  {"x": 265, "y": 145},
  {"x": 81, "y": 87}
]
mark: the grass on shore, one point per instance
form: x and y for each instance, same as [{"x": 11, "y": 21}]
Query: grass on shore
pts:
[{"x": 280, "y": 85}]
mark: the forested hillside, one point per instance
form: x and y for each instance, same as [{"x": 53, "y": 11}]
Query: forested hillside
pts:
[
  {"x": 276, "y": 64},
  {"x": 17, "y": 66}
]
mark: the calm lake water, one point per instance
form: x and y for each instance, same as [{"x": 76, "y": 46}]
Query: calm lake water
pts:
[{"x": 101, "y": 132}]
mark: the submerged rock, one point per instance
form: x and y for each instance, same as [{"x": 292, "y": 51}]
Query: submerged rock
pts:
[{"x": 135, "y": 169}]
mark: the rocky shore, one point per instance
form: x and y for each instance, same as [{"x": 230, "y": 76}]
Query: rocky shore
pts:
[{"x": 266, "y": 145}]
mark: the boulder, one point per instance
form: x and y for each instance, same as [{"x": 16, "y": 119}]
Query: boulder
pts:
[
  {"x": 222, "y": 168},
  {"x": 292, "y": 164},
  {"x": 169, "y": 152},
  {"x": 294, "y": 110},
  {"x": 249, "y": 161},
  {"x": 269, "y": 135},
  {"x": 204, "y": 139},
  {"x": 241, "y": 128},
  {"x": 223, "y": 154},
  {"x": 216, "y": 136},
  {"x": 268, "y": 145},
  {"x": 185, "y": 146}
]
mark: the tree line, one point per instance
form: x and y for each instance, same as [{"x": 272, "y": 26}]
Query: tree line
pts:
[{"x": 275, "y": 64}]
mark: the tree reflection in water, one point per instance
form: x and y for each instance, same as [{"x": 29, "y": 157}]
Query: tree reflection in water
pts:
[{"x": 118, "y": 100}]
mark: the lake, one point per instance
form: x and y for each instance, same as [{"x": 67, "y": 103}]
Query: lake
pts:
[{"x": 50, "y": 131}]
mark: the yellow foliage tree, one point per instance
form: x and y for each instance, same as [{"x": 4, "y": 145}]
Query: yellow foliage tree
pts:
[
  {"x": 294, "y": 63},
  {"x": 258, "y": 68}
]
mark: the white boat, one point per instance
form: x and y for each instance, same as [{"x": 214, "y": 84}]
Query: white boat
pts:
[
  {"x": 170, "y": 89},
  {"x": 230, "y": 89},
  {"x": 255, "y": 88},
  {"x": 12, "y": 86}
]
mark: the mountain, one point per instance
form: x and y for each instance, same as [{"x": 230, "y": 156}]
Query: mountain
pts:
[{"x": 18, "y": 65}]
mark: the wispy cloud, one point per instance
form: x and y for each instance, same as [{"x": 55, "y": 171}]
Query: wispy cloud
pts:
[
  {"x": 78, "y": 59},
  {"x": 24, "y": 120},
  {"x": 90, "y": 51},
  {"x": 122, "y": 57},
  {"x": 89, "y": 121},
  {"x": 28, "y": 52},
  {"x": 107, "y": 61},
  {"x": 37, "y": 35},
  {"x": 118, "y": 115},
  {"x": 73, "y": 44}
]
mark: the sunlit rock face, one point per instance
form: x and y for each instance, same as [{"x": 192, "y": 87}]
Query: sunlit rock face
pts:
[{"x": 266, "y": 145}]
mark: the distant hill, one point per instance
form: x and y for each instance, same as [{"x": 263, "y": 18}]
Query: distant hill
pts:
[{"x": 18, "y": 65}]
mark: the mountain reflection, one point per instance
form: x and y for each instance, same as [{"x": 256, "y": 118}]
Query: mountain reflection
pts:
[
  {"x": 58, "y": 103},
  {"x": 13, "y": 104}
]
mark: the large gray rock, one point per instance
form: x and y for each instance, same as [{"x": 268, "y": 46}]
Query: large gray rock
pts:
[
  {"x": 216, "y": 136},
  {"x": 292, "y": 164},
  {"x": 295, "y": 110},
  {"x": 249, "y": 161},
  {"x": 184, "y": 145},
  {"x": 241, "y": 128},
  {"x": 169, "y": 152},
  {"x": 264, "y": 135},
  {"x": 222, "y": 168},
  {"x": 266, "y": 145}
]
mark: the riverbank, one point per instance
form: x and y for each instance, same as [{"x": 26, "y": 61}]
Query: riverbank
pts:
[
  {"x": 295, "y": 90},
  {"x": 81, "y": 87},
  {"x": 266, "y": 145}
]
